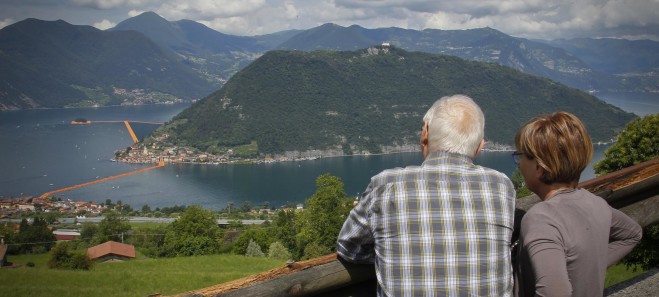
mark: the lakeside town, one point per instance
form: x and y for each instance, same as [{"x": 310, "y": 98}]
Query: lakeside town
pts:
[
  {"x": 17, "y": 207},
  {"x": 158, "y": 151}
]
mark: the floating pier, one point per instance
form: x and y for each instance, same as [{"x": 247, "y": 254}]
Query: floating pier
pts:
[{"x": 51, "y": 193}]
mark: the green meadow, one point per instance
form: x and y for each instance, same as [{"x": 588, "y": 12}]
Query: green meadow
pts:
[
  {"x": 145, "y": 276},
  {"x": 139, "y": 277}
]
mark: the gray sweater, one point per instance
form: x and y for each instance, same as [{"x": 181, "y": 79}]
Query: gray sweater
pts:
[{"x": 567, "y": 243}]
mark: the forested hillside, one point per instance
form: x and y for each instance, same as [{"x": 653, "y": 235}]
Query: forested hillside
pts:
[
  {"x": 213, "y": 55},
  {"x": 56, "y": 64},
  {"x": 363, "y": 101}
]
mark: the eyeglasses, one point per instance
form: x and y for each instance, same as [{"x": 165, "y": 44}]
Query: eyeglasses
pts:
[{"x": 517, "y": 157}]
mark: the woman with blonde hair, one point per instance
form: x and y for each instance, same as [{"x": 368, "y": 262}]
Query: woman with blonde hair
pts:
[{"x": 570, "y": 238}]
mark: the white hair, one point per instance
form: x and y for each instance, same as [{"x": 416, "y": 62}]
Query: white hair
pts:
[{"x": 455, "y": 124}]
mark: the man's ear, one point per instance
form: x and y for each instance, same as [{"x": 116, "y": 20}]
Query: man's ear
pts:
[{"x": 480, "y": 147}]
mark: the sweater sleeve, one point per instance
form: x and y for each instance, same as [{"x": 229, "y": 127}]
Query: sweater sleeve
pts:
[
  {"x": 625, "y": 233},
  {"x": 544, "y": 244}
]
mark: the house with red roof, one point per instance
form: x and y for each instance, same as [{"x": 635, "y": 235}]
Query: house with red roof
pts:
[
  {"x": 111, "y": 251},
  {"x": 66, "y": 234}
]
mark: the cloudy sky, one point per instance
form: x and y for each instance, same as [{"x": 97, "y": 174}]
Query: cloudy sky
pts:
[{"x": 542, "y": 19}]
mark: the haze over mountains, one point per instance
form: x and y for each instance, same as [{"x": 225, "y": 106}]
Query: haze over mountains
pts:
[{"x": 55, "y": 64}]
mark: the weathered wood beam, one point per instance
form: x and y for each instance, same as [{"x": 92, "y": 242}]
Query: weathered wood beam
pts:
[
  {"x": 314, "y": 276},
  {"x": 634, "y": 190}
]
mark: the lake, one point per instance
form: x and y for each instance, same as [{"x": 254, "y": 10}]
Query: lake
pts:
[{"x": 40, "y": 151}]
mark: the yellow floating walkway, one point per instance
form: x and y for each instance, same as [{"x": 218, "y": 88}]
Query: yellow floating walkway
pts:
[
  {"x": 127, "y": 123},
  {"x": 51, "y": 193},
  {"x": 130, "y": 130}
]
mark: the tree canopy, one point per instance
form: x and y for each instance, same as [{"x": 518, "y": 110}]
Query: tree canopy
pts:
[
  {"x": 637, "y": 143},
  {"x": 324, "y": 214},
  {"x": 367, "y": 100},
  {"x": 195, "y": 232}
]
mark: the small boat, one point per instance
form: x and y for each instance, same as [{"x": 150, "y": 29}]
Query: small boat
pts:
[{"x": 81, "y": 121}]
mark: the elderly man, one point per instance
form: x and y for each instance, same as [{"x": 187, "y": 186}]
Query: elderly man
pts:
[{"x": 443, "y": 228}]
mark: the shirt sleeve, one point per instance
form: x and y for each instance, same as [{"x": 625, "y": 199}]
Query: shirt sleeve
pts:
[
  {"x": 625, "y": 233},
  {"x": 542, "y": 241},
  {"x": 355, "y": 242}
]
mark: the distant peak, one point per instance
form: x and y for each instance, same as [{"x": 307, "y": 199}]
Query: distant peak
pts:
[
  {"x": 149, "y": 14},
  {"x": 330, "y": 25},
  {"x": 148, "y": 17}
]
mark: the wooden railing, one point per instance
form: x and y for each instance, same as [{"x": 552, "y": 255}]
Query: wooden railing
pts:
[{"x": 633, "y": 190}]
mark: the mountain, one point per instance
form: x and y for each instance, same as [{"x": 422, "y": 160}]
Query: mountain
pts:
[
  {"x": 213, "y": 55},
  {"x": 56, "y": 64},
  {"x": 635, "y": 62},
  {"x": 371, "y": 100},
  {"x": 485, "y": 45},
  {"x": 615, "y": 56}
]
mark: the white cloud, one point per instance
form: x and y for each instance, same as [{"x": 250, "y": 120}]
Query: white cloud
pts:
[
  {"x": 104, "y": 24},
  {"x": 544, "y": 19},
  {"x": 134, "y": 13},
  {"x": 209, "y": 9},
  {"x": 290, "y": 10},
  {"x": 111, "y": 4},
  {"x": 6, "y": 22}
]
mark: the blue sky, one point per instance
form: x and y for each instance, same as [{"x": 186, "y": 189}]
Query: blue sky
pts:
[{"x": 533, "y": 19}]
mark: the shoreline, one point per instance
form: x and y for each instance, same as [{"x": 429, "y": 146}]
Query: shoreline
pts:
[{"x": 264, "y": 161}]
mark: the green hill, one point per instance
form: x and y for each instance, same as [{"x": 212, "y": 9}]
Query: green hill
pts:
[
  {"x": 363, "y": 101},
  {"x": 55, "y": 64}
]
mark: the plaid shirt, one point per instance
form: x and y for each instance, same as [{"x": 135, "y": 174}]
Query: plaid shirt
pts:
[{"x": 440, "y": 229}]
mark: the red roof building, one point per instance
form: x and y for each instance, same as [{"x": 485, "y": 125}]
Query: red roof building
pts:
[
  {"x": 111, "y": 251},
  {"x": 63, "y": 234}
]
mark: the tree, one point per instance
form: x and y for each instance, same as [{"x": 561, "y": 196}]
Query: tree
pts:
[
  {"x": 314, "y": 250},
  {"x": 637, "y": 143},
  {"x": 519, "y": 184},
  {"x": 284, "y": 228},
  {"x": 262, "y": 236},
  {"x": 88, "y": 232},
  {"x": 246, "y": 206},
  {"x": 149, "y": 239},
  {"x": 35, "y": 237},
  {"x": 194, "y": 233},
  {"x": 113, "y": 227},
  {"x": 326, "y": 211},
  {"x": 254, "y": 250},
  {"x": 278, "y": 251},
  {"x": 65, "y": 256},
  {"x": 50, "y": 217}
]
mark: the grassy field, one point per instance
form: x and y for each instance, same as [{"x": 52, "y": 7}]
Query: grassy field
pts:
[
  {"x": 139, "y": 277},
  {"x": 144, "y": 276}
]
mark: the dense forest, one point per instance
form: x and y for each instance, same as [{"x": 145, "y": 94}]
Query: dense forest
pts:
[{"x": 363, "y": 101}]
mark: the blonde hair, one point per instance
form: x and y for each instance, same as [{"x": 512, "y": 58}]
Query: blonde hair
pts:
[
  {"x": 455, "y": 124},
  {"x": 560, "y": 144}
]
